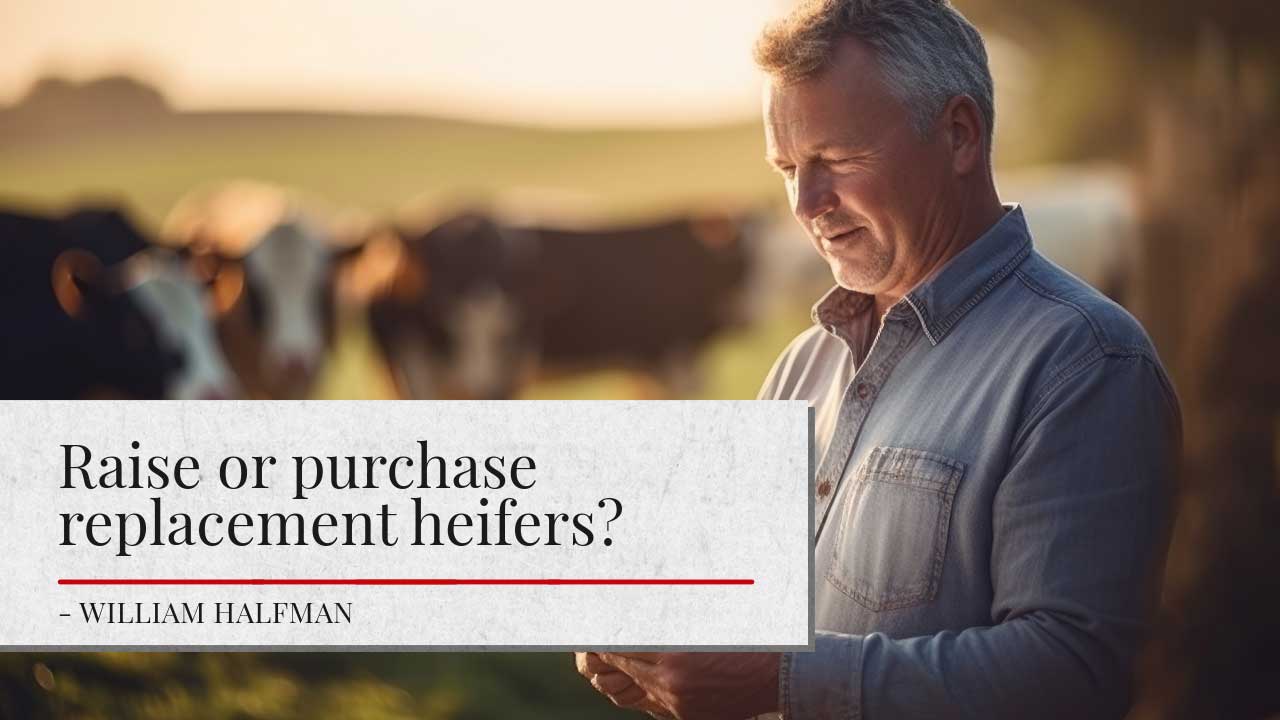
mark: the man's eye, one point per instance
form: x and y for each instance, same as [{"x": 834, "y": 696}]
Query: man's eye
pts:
[
  {"x": 845, "y": 164},
  {"x": 787, "y": 172}
]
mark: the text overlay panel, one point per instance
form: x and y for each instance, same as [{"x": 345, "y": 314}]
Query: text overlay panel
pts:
[{"x": 405, "y": 524}]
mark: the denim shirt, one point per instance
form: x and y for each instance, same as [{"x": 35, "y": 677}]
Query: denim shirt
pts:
[{"x": 994, "y": 494}]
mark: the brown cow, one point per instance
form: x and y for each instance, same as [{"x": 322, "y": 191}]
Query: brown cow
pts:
[{"x": 476, "y": 307}]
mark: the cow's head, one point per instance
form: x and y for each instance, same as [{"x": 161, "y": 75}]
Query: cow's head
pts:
[
  {"x": 461, "y": 292},
  {"x": 283, "y": 288},
  {"x": 144, "y": 326}
]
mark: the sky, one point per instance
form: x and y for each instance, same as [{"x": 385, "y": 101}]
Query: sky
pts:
[{"x": 555, "y": 62}]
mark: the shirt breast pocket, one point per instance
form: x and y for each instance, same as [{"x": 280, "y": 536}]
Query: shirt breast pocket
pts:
[{"x": 891, "y": 528}]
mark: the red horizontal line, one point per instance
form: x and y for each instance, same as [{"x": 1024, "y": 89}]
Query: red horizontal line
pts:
[{"x": 404, "y": 581}]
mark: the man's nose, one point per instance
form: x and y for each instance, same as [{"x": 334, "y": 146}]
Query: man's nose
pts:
[{"x": 814, "y": 195}]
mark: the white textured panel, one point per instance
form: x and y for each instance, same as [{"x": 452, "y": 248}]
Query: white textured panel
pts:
[{"x": 708, "y": 491}]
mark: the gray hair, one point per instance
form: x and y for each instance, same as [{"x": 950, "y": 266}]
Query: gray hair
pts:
[{"x": 928, "y": 52}]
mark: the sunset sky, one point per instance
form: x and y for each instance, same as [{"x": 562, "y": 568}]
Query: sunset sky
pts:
[{"x": 562, "y": 62}]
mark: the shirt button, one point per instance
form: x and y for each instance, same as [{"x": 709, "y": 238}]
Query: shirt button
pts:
[{"x": 863, "y": 390}]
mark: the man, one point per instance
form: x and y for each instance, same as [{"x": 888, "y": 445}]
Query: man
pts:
[{"x": 996, "y": 439}]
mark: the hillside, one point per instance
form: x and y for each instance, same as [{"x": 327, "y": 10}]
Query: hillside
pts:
[{"x": 119, "y": 138}]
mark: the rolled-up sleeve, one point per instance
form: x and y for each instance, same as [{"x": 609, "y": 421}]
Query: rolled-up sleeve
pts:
[{"x": 1080, "y": 526}]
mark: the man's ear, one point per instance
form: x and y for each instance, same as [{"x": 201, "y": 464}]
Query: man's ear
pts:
[
  {"x": 74, "y": 277},
  {"x": 966, "y": 134}
]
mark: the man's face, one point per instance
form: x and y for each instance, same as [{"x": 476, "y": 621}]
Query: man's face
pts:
[{"x": 860, "y": 179}]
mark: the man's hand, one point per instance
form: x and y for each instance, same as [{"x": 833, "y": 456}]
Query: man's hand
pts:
[
  {"x": 689, "y": 686},
  {"x": 616, "y": 685}
]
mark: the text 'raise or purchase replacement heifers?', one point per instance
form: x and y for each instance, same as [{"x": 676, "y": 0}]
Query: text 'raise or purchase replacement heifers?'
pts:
[{"x": 425, "y": 524}]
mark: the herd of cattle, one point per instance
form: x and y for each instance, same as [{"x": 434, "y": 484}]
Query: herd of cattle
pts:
[
  {"x": 472, "y": 305},
  {"x": 470, "y": 308}
]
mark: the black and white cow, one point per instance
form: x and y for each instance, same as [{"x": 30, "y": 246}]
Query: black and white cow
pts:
[
  {"x": 477, "y": 309},
  {"x": 90, "y": 309},
  {"x": 277, "y": 305},
  {"x": 452, "y": 320},
  {"x": 272, "y": 257}
]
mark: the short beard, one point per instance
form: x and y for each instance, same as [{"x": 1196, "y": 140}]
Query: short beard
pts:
[{"x": 865, "y": 276}]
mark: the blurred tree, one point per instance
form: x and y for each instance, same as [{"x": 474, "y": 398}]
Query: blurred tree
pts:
[{"x": 1197, "y": 104}]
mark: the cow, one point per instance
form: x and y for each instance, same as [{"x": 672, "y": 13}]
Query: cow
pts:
[
  {"x": 451, "y": 319},
  {"x": 273, "y": 286},
  {"x": 92, "y": 309},
  {"x": 478, "y": 309}
]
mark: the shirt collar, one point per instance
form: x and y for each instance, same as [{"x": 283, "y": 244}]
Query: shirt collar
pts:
[{"x": 949, "y": 292}]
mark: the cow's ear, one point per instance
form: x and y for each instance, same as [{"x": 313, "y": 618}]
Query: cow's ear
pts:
[
  {"x": 222, "y": 276},
  {"x": 75, "y": 276},
  {"x": 715, "y": 232},
  {"x": 411, "y": 279},
  {"x": 399, "y": 271},
  {"x": 349, "y": 253},
  {"x": 226, "y": 287},
  {"x": 375, "y": 266}
]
